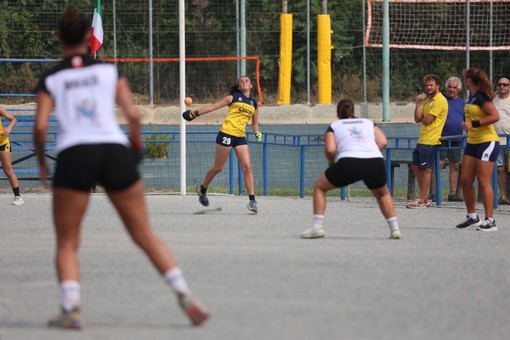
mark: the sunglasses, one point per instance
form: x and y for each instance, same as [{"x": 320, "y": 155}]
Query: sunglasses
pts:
[{"x": 502, "y": 84}]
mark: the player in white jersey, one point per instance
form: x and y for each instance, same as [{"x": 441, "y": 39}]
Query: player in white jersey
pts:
[
  {"x": 92, "y": 148},
  {"x": 353, "y": 148}
]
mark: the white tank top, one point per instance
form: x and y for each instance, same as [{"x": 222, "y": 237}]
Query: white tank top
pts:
[
  {"x": 84, "y": 91},
  {"x": 355, "y": 138}
]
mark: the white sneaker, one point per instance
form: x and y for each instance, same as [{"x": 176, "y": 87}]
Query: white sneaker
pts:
[
  {"x": 313, "y": 233},
  {"x": 395, "y": 235},
  {"x": 17, "y": 201}
]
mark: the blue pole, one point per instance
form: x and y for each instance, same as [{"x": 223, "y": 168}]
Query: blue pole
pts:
[
  {"x": 388, "y": 170},
  {"x": 438, "y": 179},
  {"x": 240, "y": 178},
  {"x": 264, "y": 165},
  {"x": 302, "y": 172}
]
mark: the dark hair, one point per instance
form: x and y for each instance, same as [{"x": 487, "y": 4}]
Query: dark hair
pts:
[
  {"x": 235, "y": 88},
  {"x": 429, "y": 77},
  {"x": 345, "y": 109},
  {"x": 480, "y": 79},
  {"x": 72, "y": 28}
]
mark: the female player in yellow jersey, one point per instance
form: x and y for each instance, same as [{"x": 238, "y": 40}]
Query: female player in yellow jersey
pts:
[
  {"x": 482, "y": 148},
  {"x": 232, "y": 134},
  {"x": 6, "y": 155}
]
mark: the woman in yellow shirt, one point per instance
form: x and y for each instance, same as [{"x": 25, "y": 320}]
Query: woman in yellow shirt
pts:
[
  {"x": 482, "y": 149},
  {"x": 232, "y": 134},
  {"x": 6, "y": 155}
]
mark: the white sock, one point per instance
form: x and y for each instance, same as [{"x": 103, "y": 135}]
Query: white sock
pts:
[
  {"x": 392, "y": 223},
  {"x": 472, "y": 215},
  {"x": 317, "y": 221},
  {"x": 70, "y": 294},
  {"x": 176, "y": 280}
]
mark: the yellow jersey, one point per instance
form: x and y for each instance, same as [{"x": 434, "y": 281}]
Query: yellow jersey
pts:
[
  {"x": 473, "y": 111},
  {"x": 3, "y": 139},
  {"x": 240, "y": 111},
  {"x": 438, "y": 107}
]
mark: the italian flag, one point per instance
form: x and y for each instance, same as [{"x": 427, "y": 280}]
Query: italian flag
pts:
[{"x": 96, "y": 40}]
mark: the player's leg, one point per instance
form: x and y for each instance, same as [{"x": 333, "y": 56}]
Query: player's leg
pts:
[
  {"x": 6, "y": 160},
  {"x": 321, "y": 187},
  {"x": 484, "y": 171},
  {"x": 223, "y": 147},
  {"x": 69, "y": 206},
  {"x": 500, "y": 162},
  {"x": 387, "y": 207},
  {"x": 467, "y": 179},
  {"x": 375, "y": 179},
  {"x": 243, "y": 155},
  {"x": 131, "y": 206},
  {"x": 222, "y": 153},
  {"x": 453, "y": 179}
]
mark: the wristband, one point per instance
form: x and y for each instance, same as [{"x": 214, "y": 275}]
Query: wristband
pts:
[
  {"x": 136, "y": 144},
  {"x": 476, "y": 123}
]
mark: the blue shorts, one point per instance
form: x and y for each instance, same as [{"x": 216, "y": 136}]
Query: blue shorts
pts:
[
  {"x": 424, "y": 155},
  {"x": 487, "y": 152},
  {"x": 227, "y": 140}
]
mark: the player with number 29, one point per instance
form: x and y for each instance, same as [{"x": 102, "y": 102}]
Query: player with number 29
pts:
[{"x": 241, "y": 109}]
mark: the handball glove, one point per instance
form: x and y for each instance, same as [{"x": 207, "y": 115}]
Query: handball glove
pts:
[
  {"x": 258, "y": 136},
  {"x": 190, "y": 115}
]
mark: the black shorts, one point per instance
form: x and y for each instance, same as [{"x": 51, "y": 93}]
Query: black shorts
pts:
[
  {"x": 6, "y": 147},
  {"x": 81, "y": 167},
  {"x": 372, "y": 171},
  {"x": 227, "y": 140}
]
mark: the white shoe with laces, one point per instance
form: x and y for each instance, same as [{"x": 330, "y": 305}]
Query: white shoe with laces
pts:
[
  {"x": 17, "y": 201},
  {"x": 313, "y": 233}
]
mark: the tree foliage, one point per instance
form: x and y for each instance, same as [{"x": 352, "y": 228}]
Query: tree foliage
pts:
[{"x": 27, "y": 30}]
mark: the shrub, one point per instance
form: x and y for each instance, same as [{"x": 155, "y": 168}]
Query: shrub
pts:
[{"x": 157, "y": 145}]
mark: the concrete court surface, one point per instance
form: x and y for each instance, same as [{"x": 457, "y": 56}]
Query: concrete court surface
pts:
[{"x": 258, "y": 278}]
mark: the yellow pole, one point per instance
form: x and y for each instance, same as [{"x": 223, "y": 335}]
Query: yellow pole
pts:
[
  {"x": 324, "y": 57},
  {"x": 284, "y": 75}
]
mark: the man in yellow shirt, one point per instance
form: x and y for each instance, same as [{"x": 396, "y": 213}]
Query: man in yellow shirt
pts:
[{"x": 431, "y": 112}]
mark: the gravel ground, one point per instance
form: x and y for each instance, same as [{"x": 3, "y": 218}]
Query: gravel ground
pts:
[{"x": 258, "y": 278}]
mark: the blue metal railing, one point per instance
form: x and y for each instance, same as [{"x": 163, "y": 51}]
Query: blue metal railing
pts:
[
  {"x": 301, "y": 142},
  {"x": 408, "y": 143}
]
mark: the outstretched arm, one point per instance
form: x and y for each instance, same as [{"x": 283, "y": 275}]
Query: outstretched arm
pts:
[{"x": 190, "y": 115}]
